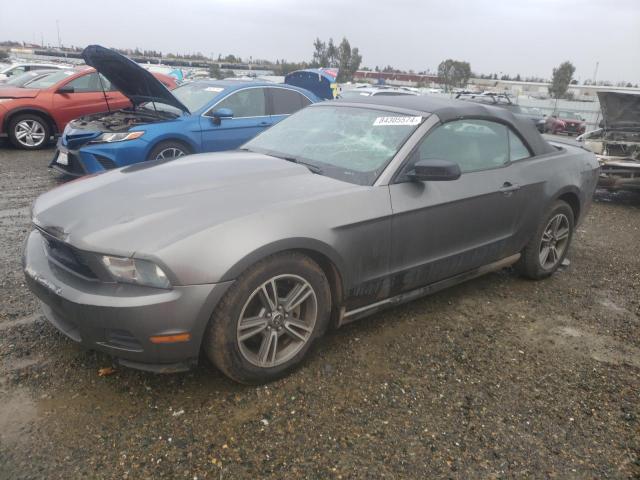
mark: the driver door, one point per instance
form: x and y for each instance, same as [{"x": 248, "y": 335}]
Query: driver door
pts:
[
  {"x": 444, "y": 228},
  {"x": 87, "y": 97},
  {"x": 250, "y": 117}
]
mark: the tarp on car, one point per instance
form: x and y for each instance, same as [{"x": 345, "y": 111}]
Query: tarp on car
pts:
[{"x": 320, "y": 81}]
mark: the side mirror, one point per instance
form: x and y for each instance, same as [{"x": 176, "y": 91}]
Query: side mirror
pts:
[
  {"x": 435, "y": 171},
  {"x": 66, "y": 89},
  {"x": 218, "y": 115}
]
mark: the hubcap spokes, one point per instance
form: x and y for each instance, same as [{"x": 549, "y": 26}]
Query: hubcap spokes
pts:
[
  {"x": 554, "y": 241},
  {"x": 277, "y": 320},
  {"x": 29, "y": 133},
  {"x": 168, "y": 153}
]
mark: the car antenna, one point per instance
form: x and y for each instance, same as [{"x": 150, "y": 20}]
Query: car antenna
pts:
[{"x": 103, "y": 92}]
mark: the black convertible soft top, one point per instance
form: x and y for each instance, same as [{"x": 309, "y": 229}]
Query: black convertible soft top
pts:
[{"x": 446, "y": 110}]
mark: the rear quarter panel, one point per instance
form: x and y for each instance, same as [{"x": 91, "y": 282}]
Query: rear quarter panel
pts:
[{"x": 547, "y": 177}]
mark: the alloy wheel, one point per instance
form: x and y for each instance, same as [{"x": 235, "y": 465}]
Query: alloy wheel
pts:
[
  {"x": 277, "y": 320},
  {"x": 29, "y": 133},
  {"x": 171, "y": 152},
  {"x": 555, "y": 239}
]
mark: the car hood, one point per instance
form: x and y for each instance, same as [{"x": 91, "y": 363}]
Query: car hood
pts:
[
  {"x": 138, "y": 84},
  {"x": 13, "y": 92},
  {"x": 620, "y": 110},
  {"x": 152, "y": 205}
]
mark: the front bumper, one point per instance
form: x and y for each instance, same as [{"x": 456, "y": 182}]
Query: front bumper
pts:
[
  {"x": 118, "y": 319},
  {"x": 88, "y": 159},
  {"x": 619, "y": 174}
]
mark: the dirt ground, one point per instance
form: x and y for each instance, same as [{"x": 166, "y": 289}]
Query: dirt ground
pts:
[{"x": 496, "y": 378}]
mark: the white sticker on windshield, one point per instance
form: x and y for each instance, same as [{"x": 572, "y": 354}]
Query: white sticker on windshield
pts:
[
  {"x": 213, "y": 89},
  {"x": 404, "y": 120}
]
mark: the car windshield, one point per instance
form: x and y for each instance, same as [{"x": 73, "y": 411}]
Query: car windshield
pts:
[
  {"x": 569, "y": 115},
  {"x": 24, "y": 78},
  {"x": 351, "y": 144},
  {"x": 194, "y": 96},
  {"x": 51, "y": 80},
  {"x": 354, "y": 94}
]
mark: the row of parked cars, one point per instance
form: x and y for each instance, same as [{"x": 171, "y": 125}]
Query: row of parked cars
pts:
[
  {"x": 338, "y": 210},
  {"x": 559, "y": 122}
]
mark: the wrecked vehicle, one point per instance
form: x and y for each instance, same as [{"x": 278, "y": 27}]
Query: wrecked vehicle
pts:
[
  {"x": 202, "y": 116},
  {"x": 617, "y": 143},
  {"x": 342, "y": 209}
]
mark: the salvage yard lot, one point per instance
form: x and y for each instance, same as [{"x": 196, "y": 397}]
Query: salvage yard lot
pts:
[{"x": 499, "y": 377}]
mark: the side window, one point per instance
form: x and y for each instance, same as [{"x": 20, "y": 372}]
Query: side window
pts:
[
  {"x": 285, "y": 102},
  {"x": 472, "y": 144},
  {"x": 249, "y": 102},
  {"x": 517, "y": 150},
  {"x": 86, "y": 83}
]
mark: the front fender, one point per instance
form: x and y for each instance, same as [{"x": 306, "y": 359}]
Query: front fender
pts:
[{"x": 288, "y": 244}]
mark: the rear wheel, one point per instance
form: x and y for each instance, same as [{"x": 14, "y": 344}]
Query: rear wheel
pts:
[
  {"x": 168, "y": 150},
  {"x": 549, "y": 246},
  {"x": 269, "y": 319},
  {"x": 29, "y": 131}
]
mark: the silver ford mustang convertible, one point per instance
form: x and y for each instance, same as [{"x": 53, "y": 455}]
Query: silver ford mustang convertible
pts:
[{"x": 344, "y": 208}]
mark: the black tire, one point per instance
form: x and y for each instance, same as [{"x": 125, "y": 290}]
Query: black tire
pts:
[
  {"x": 221, "y": 342},
  {"x": 168, "y": 146},
  {"x": 42, "y": 125},
  {"x": 530, "y": 265}
]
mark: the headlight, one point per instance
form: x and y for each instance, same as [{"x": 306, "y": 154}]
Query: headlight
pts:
[
  {"x": 109, "y": 137},
  {"x": 136, "y": 271}
]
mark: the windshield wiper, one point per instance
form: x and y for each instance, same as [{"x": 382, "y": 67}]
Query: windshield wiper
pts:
[{"x": 312, "y": 168}]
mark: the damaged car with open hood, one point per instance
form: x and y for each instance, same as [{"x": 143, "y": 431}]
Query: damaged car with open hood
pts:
[
  {"x": 202, "y": 116},
  {"x": 617, "y": 143}
]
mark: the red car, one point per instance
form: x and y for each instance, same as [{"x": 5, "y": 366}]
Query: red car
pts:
[
  {"x": 564, "y": 122},
  {"x": 29, "y": 116}
]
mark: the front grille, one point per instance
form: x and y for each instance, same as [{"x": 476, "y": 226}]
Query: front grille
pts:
[{"x": 67, "y": 256}]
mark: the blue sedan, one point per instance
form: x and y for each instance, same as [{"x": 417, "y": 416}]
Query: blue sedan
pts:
[{"x": 203, "y": 116}]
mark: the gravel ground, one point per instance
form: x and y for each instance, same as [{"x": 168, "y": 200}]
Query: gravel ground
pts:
[{"x": 496, "y": 378}]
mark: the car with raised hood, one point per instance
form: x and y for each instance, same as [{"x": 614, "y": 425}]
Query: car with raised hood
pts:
[
  {"x": 342, "y": 209},
  {"x": 200, "y": 116},
  {"x": 31, "y": 114},
  {"x": 617, "y": 143}
]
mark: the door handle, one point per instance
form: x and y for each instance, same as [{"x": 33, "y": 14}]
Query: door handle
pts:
[
  {"x": 508, "y": 188},
  {"x": 265, "y": 123}
]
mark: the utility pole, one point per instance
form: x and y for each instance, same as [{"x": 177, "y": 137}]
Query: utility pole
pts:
[
  {"x": 58, "y": 28},
  {"x": 595, "y": 72}
]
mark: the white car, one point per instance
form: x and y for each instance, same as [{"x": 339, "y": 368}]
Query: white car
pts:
[
  {"x": 377, "y": 90},
  {"x": 19, "y": 68}
]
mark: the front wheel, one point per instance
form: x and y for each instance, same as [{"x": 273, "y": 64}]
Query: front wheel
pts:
[
  {"x": 547, "y": 249},
  {"x": 168, "y": 150},
  {"x": 269, "y": 318},
  {"x": 29, "y": 131}
]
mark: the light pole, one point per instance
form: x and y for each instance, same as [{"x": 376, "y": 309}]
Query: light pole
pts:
[{"x": 58, "y": 28}]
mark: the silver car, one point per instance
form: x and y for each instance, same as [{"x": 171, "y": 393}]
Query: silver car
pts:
[{"x": 342, "y": 209}]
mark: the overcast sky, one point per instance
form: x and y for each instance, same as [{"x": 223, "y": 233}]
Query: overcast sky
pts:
[{"x": 529, "y": 37}]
